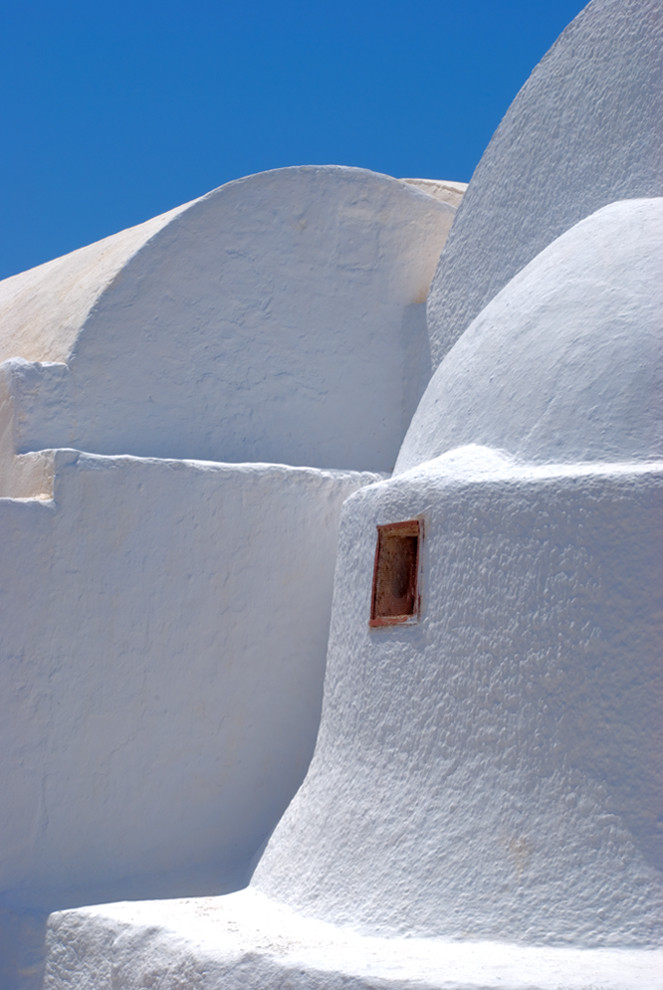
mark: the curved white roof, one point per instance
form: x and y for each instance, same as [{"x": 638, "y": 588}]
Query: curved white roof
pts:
[
  {"x": 44, "y": 309},
  {"x": 280, "y": 318},
  {"x": 584, "y": 131},
  {"x": 566, "y": 362}
]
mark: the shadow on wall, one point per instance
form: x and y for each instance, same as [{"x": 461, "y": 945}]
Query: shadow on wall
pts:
[{"x": 22, "y": 949}]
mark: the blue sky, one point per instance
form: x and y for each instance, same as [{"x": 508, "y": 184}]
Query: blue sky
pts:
[{"x": 114, "y": 112}]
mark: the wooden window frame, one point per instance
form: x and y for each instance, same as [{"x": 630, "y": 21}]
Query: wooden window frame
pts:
[{"x": 407, "y": 528}]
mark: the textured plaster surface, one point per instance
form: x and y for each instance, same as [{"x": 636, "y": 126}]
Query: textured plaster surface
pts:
[
  {"x": 44, "y": 308},
  {"x": 21, "y": 475},
  {"x": 494, "y": 772},
  {"x": 484, "y": 804},
  {"x": 164, "y": 627},
  {"x": 566, "y": 363},
  {"x": 584, "y": 130},
  {"x": 243, "y": 942},
  {"x": 280, "y": 318},
  {"x": 446, "y": 192}
]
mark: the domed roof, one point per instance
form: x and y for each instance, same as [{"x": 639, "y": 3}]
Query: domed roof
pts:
[
  {"x": 44, "y": 308},
  {"x": 565, "y": 363},
  {"x": 584, "y": 131},
  {"x": 279, "y": 318}
]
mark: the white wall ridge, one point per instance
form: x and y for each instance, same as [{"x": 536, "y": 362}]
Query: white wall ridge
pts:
[
  {"x": 46, "y": 500},
  {"x": 440, "y": 189},
  {"x": 281, "y": 948},
  {"x": 69, "y": 464},
  {"x": 470, "y": 468},
  {"x": 474, "y": 462},
  {"x": 31, "y": 372},
  {"x": 67, "y": 456}
]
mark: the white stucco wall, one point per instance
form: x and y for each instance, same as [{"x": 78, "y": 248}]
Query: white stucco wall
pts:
[
  {"x": 495, "y": 771},
  {"x": 490, "y": 774},
  {"x": 566, "y": 362},
  {"x": 164, "y": 627},
  {"x": 280, "y": 318},
  {"x": 584, "y": 130},
  {"x": 165, "y": 621}
]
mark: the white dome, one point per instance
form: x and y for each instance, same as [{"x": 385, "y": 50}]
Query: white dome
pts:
[
  {"x": 584, "y": 131},
  {"x": 565, "y": 363}
]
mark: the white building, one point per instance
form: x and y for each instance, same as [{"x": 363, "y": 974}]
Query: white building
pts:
[{"x": 187, "y": 407}]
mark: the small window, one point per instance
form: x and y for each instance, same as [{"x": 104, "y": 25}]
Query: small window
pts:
[{"x": 395, "y": 596}]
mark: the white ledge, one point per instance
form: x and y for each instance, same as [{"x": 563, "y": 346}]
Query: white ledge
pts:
[{"x": 244, "y": 939}]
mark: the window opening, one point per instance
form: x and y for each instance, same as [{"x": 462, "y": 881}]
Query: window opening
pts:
[{"x": 395, "y": 598}]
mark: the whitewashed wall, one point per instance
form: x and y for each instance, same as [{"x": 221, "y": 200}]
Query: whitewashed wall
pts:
[
  {"x": 164, "y": 622},
  {"x": 164, "y": 627},
  {"x": 495, "y": 771}
]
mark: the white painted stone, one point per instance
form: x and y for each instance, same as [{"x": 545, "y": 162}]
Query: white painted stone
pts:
[
  {"x": 495, "y": 771},
  {"x": 245, "y": 941},
  {"x": 566, "y": 362},
  {"x": 584, "y": 130},
  {"x": 164, "y": 627},
  {"x": 281, "y": 318}
]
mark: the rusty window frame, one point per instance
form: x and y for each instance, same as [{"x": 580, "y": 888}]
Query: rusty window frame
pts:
[{"x": 389, "y": 536}]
